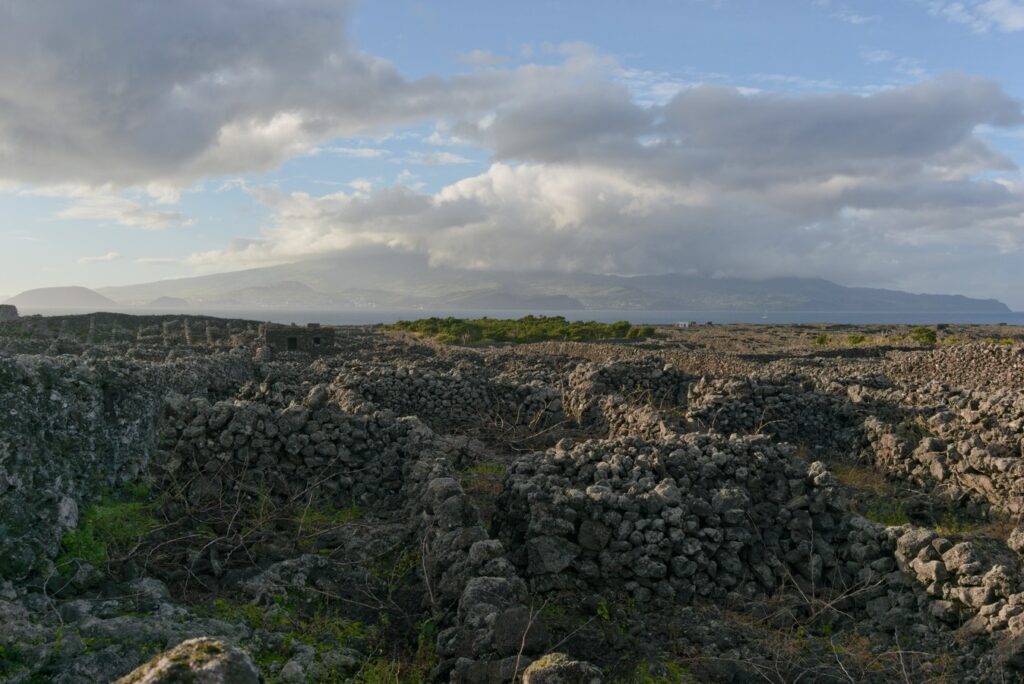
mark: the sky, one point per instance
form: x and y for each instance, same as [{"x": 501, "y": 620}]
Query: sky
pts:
[{"x": 873, "y": 143}]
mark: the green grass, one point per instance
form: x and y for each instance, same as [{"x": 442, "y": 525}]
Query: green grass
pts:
[
  {"x": 659, "y": 673},
  {"x": 527, "y": 329},
  {"x": 322, "y": 518},
  {"x": 495, "y": 469},
  {"x": 109, "y": 529},
  {"x": 890, "y": 513}
]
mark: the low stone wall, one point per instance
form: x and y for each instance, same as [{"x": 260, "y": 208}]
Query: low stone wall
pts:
[
  {"x": 312, "y": 448},
  {"x": 789, "y": 408},
  {"x": 447, "y": 398},
  {"x": 690, "y": 515}
]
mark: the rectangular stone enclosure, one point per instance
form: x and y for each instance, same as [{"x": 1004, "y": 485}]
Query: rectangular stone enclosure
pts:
[{"x": 311, "y": 339}]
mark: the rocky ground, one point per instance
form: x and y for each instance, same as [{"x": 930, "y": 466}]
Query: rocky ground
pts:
[{"x": 719, "y": 504}]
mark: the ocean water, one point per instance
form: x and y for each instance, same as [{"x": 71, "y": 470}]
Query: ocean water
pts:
[{"x": 331, "y": 316}]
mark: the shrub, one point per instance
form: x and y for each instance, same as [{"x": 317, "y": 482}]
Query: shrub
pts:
[
  {"x": 821, "y": 340},
  {"x": 527, "y": 329},
  {"x": 923, "y": 335}
]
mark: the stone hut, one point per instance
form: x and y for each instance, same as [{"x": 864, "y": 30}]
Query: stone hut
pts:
[
  {"x": 8, "y": 312},
  {"x": 311, "y": 339}
]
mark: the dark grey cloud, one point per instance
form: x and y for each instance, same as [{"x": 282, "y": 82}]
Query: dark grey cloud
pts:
[{"x": 154, "y": 91}]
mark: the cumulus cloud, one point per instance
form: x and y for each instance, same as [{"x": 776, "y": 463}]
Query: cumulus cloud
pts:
[{"x": 715, "y": 181}]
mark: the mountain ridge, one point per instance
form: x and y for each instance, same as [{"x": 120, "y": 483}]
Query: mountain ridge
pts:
[
  {"x": 399, "y": 279},
  {"x": 407, "y": 280}
]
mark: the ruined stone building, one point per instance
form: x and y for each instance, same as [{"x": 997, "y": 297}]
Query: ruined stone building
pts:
[{"x": 311, "y": 339}]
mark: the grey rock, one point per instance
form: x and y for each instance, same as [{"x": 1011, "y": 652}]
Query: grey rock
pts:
[{"x": 550, "y": 555}]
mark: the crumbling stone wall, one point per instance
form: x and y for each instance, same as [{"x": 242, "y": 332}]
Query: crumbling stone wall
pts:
[
  {"x": 690, "y": 515},
  {"x": 639, "y": 382},
  {"x": 788, "y": 408},
  {"x": 452, "y": 397},
  {"x": 70, "y": 427}
]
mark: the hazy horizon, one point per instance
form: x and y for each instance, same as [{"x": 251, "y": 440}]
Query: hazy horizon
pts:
[{"x": 872, "y": 144}]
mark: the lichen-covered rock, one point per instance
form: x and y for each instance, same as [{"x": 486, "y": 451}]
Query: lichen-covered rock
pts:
[
  {"x": 198, "y": 661},
  {"x": 558, "y": 668}
]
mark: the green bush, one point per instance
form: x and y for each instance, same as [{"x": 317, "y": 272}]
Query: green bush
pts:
[
  {"x": 821, "y": 340},
  {"x": 923, "y": 335},
  {"x": 856, "y": 339},
  {"x": 527, "y": 329}
]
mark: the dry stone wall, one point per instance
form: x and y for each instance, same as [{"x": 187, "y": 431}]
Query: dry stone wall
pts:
[{"x": 71, "y": 427}]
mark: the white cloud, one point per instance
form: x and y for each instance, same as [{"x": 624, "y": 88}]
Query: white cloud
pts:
[
  {"x": 854, "y": 18},
  {"x": 436, "y": 159},
  {"x": 356, "y": 152},
  {"x": 122, "y": 211},
  {"x": 982, "y": 15},
  {"x": 905, "y": 66},
  {"x": 109, "y": 256}
]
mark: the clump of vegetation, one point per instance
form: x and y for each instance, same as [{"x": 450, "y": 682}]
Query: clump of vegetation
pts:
[
  {"x": 875, "y": 498},
  {"x": 888, "y": 512},
  {"x": 483, "y": 484},
  {"x": 822, "y": 340},
  {"x": 659, "y": 673},
  {"x": 109, "y": 529},
  {"x": 312, "y": 522},
  {"x": 924, "y": 335},
  {"x": 527, "y": 329},
  {"x": 855, "y": 340},
  {"x": 11, "y": 660}
]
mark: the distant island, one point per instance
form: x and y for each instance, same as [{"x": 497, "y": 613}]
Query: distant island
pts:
[
  {"x": 399, "y": 280},
  {"x": 61, "y": 298}
]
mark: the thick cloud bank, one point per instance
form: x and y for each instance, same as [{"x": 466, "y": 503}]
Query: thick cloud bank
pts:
[
  {"x": 895, "y": 187},
  {"x": 716, "y": 181}
]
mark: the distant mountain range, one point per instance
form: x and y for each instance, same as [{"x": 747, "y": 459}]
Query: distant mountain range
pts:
[{"x": 403, "y": 280}]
